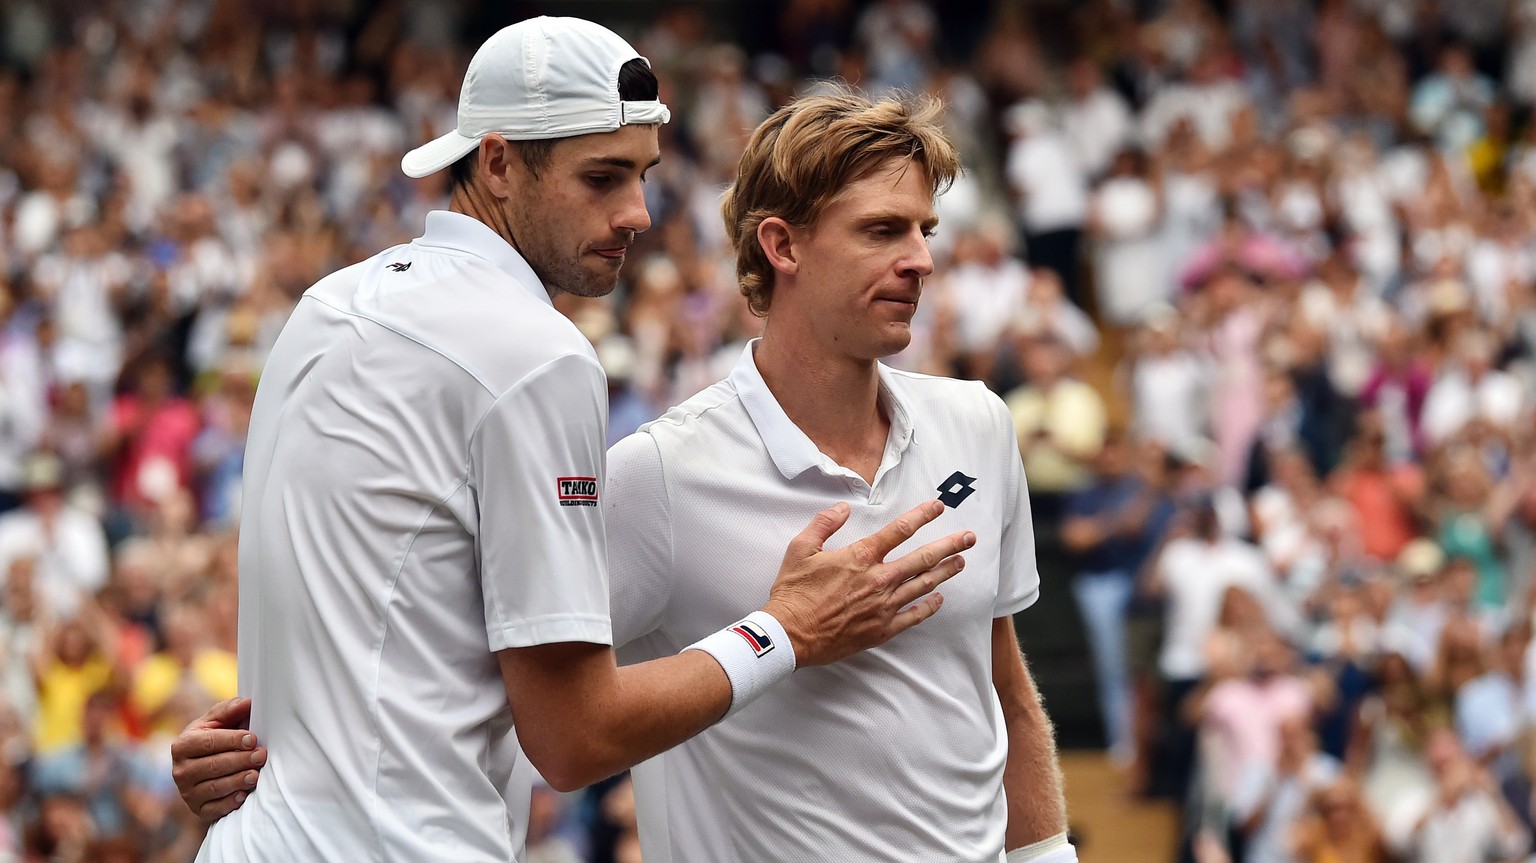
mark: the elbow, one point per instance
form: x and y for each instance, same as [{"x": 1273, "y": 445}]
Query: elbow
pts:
[
  {"x": 565, "y": 780},
  {"x": 569, "y": 765}
]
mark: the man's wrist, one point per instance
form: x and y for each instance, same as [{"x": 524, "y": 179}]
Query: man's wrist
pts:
[
  {"x": 1053, "y": 850},
  {"x": 755, "y": 653}
]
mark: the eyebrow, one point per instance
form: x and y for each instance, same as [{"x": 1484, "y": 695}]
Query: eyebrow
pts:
[
  {"x": 621, "y": 162},
  {"x": 894, "y": 216}
]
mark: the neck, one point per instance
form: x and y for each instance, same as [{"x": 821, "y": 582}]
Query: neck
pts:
[
  {"x": 834, "y": 400},
  {"x": 473, "y": 200}
]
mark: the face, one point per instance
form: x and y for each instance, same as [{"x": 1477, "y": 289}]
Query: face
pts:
[
  {"x": 858, "y": 272},
  {"x": 575, "y": 221}
]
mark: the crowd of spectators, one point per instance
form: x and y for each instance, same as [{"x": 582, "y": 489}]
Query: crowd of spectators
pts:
[{"x": 1255, "y": 278}]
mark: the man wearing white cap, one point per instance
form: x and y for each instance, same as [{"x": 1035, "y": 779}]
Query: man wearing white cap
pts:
[{"x": 426, "y": 450}]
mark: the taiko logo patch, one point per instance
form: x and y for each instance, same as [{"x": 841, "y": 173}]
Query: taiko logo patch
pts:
[{"x": 577, "y": 490}]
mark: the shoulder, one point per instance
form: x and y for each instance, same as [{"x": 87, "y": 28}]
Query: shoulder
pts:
[
  {"x": 712, "y": 412},
  {"x": 969, "y": 399},
  {"x": 464, "y": 309}
]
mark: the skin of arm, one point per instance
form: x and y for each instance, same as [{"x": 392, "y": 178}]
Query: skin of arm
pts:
[{"x": 1037, "y": 806}]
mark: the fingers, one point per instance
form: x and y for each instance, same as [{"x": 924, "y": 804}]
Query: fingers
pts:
[
  {"x": 234, "y": 713},
  {"x": 201, "y": 743},
  {"x": 821, "y": 528},
  {"x": 214, "y": 810},
  {"x": 222, "y": 788},
  {"x": 883, "y": 541},
  {"x": 928, "y": 557},
  {"x": 918, "y": 613},
  {"x": 197, "y": 773},
  {"x": 917, "y": 587}
]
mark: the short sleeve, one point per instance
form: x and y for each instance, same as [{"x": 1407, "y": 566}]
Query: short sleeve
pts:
[
  {"x": 536, "y": 468},
  {"x": 1018, "y": 577},
  {"x": 639, "y": 515}
]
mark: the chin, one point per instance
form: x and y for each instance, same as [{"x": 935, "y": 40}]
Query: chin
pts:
[{"x": 893, "y": 344}]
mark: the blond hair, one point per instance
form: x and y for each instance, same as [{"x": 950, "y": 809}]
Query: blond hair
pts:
[{"x": 801, "y": 158}]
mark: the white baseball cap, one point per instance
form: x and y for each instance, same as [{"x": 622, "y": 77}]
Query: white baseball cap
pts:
[{"x": 539, "y": 79}]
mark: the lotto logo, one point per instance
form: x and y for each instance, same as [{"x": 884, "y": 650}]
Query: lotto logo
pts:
[{"x": 577, "y": 490}]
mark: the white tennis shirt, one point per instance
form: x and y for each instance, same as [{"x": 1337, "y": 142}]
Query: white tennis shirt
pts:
[
  {"x": 894, "y": 754},
  {"x": 426, "y": 452}
]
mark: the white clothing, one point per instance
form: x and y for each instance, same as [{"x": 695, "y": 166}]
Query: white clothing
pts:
[
  {"x": 1097, "y": 128},
  {"x": 1130, "y": 258},
  {"x": 1197, "y": 575},
  {"x": 820, "y": 767},
  {"x": 71, "y": 556},
  {"x": 1169, "y": 397},
  {"x": 425, "y": 451},
  {"x": 1042, "y": 170},
  {"x": 1454, "y": 401},
  {"x": 986, "y": 300}
]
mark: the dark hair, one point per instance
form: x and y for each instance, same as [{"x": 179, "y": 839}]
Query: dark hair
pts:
[{"x": 637, "y": 83}]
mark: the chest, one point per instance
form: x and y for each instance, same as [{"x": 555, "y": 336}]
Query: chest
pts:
[{"x": 727, "y": 554}]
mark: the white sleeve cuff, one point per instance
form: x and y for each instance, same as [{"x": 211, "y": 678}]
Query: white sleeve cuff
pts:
[
  {"x": 755, "y": 653},
  {"x": 1053, "y": 850}
]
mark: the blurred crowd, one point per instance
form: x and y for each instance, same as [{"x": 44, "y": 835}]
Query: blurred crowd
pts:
[{"x": 1255, "y": 278}]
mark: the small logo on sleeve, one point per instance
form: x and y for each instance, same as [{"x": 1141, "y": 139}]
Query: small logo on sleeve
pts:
[
  {"x": 577, "y": 490},
  {"x": 755, "y": 636},
  {"x": 954, "y": 491},
  {"x": 399, "y": 267}
]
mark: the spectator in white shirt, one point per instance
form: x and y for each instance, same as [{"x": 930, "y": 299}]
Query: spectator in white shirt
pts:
[
  {"x": 1051, "y": 191},
  {"x": 1472, "y": 389},
  {"x": 1468, "y": 820},
  {"x": 1096, "y": 120},
  {"x": 68, "y": 544}
]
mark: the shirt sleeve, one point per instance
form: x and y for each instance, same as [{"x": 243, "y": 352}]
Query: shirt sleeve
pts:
[
  {"x": 1018, "y": 579},
  {"x": 640, "y": 558},
  {"x": 536, "y": 468}
]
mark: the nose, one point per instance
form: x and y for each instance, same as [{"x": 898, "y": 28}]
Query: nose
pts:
[
  {"x": 918, "y": 261},
  {"x": 632, "y": 216}
]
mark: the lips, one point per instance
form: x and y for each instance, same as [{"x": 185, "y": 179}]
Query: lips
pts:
[{"x": 612, "y": 253}]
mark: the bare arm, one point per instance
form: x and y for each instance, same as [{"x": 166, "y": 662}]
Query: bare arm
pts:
[{"x": 1037, "y": 806}]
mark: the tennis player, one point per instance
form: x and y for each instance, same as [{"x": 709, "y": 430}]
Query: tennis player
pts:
[
  {"x": 829, "y": 216},
  {"x": 424, "y": 601}
]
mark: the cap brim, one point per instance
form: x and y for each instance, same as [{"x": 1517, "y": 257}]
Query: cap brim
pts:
[{"x": 436, "y": 154}]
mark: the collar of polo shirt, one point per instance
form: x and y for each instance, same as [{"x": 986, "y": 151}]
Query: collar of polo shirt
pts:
[
  {"x": 457, "y": 232},
  {"x": 793, "y": 452}
]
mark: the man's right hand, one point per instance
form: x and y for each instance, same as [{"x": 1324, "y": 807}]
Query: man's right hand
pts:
[
  {"x": 833, "y": 604},
  {"x": 215, "y": 760}
]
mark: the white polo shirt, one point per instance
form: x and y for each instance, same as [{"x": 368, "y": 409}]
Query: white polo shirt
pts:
[
  {"x": 425, "y": 452},
  {"x": 894, "y": 754}
]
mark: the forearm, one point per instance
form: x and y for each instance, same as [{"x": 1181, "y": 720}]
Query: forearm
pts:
[
  {"x": 617, "y": 717},
  {"x": 1032, "y": 779}
]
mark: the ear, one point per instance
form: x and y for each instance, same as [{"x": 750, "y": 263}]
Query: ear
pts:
[
  {"x": 777, "y": 238},
  {"x": 498, "y": 165}
]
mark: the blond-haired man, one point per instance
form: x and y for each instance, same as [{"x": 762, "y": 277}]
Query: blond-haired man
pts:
[{"x": 829, "y": 216}]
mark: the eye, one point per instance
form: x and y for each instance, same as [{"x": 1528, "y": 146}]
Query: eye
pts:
[{"x": 599, "y": 181}]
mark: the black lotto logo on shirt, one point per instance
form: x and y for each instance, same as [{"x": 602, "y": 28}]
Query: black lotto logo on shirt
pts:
[
  {"x": 577, "y": 490},
  {"x": 954, "y": 491},
  {"x": 755, "y": 636}
]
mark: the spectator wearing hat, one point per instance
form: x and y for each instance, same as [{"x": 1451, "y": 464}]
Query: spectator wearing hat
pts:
[{"x": 66, "y": 543}]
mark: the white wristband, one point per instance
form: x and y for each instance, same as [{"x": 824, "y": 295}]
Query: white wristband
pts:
[
  {"x": 1053, "y": 850},
  {"x": 755, "y": 653}
]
